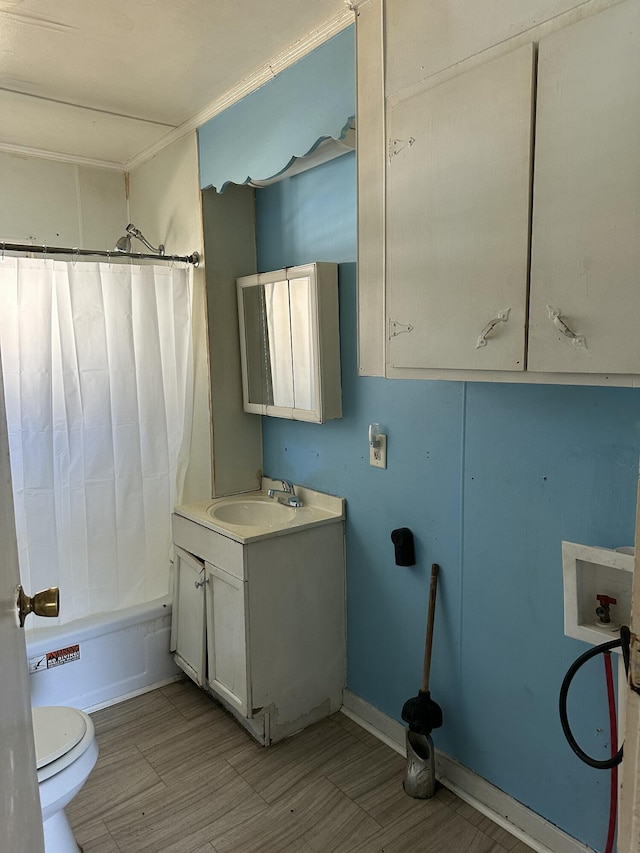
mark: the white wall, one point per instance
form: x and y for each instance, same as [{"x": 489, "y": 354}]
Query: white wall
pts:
[
  {"x": 164, "y": 203},
  {"x": 164, "y": 198},
  {"x": 60, "y": 204}
]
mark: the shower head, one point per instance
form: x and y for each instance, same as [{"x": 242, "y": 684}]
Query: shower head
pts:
[{"x": 124, "y": 243}]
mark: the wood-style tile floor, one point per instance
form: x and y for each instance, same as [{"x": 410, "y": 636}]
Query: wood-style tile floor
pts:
[{"x": 177, "y": 774}]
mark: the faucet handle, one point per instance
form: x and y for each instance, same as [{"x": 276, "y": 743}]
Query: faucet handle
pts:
[{"x": 287, "y": 485}]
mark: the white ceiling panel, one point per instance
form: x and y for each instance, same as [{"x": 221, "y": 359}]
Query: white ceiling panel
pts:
[
  {"x": 103, "y": 80},
  {"x": 34, "y": 123}
]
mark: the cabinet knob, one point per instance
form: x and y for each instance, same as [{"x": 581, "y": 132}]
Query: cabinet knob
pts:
[
  {"x": 556, "y": 317},
  {"x": 502, "y": 317}
]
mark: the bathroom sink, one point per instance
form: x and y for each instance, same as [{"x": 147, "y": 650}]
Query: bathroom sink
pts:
[
  {"x": 252, "y": 512},
  {"x": 250, "y": 516}
]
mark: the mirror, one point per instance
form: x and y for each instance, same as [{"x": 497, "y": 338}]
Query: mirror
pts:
[
  {"x": 290, "y": 342},
  {"x": 277, "y": 338}
]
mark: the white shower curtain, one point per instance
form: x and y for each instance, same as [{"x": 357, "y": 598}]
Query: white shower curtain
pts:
[{"x": 98, "y": 369}]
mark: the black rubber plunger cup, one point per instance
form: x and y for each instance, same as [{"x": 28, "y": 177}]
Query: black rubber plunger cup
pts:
[{"x": 422, "y": 714}]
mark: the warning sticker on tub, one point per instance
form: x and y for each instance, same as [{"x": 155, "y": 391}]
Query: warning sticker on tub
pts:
[{"x": 57, "y": 658}]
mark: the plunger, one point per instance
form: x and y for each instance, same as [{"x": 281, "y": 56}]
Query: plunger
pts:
[{"x": 423, "y": 715}]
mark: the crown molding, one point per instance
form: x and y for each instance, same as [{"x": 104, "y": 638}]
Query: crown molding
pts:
[{"x": 74, "y": 159}]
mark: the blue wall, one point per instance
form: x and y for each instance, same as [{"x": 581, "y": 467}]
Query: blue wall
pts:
[
  {"x": 255, "y": 137},
  {"x": 490, "y": 478}
]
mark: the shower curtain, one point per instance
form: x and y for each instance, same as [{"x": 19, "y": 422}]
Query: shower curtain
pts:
[{"x": 98, "y": 369}]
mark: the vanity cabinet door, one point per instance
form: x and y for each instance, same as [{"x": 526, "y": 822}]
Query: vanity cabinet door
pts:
[
  {"x": 458, "y": 208},
  {"x": 187, "y": 624},
  {"x": 226, "y": 637},
  {"x": 585, "y": 299}
]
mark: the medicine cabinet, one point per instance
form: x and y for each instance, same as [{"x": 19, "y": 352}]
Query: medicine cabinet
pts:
[{"x": 290, "y": 343}]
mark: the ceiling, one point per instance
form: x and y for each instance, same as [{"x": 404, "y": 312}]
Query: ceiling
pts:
[{"x": 111, "y": 82}]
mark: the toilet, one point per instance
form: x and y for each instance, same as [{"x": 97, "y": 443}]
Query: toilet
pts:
[{"x": 66, "y": 752}]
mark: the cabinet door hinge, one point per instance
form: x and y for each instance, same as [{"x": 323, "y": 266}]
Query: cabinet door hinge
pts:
[
  {"x": 396, "y": 328},
  {"x": 398, "y": 145}
]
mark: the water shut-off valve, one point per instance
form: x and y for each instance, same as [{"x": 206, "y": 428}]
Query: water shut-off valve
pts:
[{"x": 602, "y": 611}]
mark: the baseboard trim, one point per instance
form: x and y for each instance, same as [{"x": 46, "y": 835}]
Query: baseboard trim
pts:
[
  {"x": 116, "y": 700},
  {"x": 520, "y": 821}
]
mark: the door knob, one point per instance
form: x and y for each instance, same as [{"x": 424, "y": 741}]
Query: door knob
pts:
[{"x": 45, "y": 603}]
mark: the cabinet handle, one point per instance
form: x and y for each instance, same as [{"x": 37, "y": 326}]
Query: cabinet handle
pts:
[
  {"x": 556, "y": 316},
  {"x": 198, "y": 584},
  {"x": 502, "y": 317}
]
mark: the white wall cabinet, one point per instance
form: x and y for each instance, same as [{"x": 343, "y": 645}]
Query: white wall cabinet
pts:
[
  {"x": 505, "y": 259},
  {"x": 273, "y": 626}
]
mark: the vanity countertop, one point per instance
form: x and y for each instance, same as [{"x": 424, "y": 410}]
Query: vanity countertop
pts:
[{"x": 249, "y": 516}]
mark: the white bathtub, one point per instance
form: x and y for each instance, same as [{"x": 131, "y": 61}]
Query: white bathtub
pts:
[{"x": 121, "y": 654}]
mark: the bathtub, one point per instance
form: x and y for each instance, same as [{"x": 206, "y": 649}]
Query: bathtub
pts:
[{"x": 100, "y": 660}]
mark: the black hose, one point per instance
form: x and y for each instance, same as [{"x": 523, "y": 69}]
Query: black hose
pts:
[{"x": 598, "y": 764}]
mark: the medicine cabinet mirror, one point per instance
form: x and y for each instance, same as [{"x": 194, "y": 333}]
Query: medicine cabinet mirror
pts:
[{"x": 290, "y": 344}]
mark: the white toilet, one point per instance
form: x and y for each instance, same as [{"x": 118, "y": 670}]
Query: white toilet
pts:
[{"x": 66, "y": 752}]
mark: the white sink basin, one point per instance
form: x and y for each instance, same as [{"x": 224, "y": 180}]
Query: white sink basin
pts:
[{"x": 252, "y": 512}]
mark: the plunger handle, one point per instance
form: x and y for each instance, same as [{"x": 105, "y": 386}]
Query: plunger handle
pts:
[{"x": 430, "y": 617}]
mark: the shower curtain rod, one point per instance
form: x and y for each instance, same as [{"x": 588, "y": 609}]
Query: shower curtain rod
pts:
[{"x": 193, "y": 258}]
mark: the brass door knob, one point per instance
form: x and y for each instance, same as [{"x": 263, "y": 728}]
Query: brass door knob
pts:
[{"x": 45, "y": 603}]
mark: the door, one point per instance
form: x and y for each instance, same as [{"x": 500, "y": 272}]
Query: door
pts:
[
  {"x": 458, "y": 208},
  {"x": 20, "y": 816},
  {"x": 187, "y": 622},
  {"x": 226, "y": 637},
  {"x": 585, "y": 252}
]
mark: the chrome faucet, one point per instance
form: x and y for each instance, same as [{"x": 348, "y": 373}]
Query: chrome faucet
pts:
[{"x": 286, "y": 495}]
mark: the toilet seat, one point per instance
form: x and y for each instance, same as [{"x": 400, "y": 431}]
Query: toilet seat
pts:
[{"x": 61, "y": 735}]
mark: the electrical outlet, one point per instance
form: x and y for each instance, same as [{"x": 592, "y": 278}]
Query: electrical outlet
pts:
[{"x": 378, "y": 455}]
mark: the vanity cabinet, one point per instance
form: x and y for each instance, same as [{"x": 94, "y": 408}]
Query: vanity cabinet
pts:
[
  {"x": 274, "y": 620},
  {"x": 290, "y": 342},
  {"x": 507, "y": 257}
]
